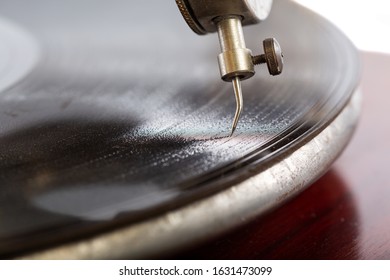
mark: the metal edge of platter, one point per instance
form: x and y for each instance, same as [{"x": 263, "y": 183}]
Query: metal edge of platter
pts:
[{"x": 283, "y": 178}]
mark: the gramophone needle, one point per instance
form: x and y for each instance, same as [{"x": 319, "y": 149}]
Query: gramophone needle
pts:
[
  {"x": 235, "y": 59},
  {"x": 238, "y": 94}
]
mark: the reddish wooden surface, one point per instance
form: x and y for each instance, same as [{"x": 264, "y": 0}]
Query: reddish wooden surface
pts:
[{"x": 344, "y": 215}]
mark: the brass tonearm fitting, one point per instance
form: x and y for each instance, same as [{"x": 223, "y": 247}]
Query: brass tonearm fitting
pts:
[{"x": 235, "y": 61}]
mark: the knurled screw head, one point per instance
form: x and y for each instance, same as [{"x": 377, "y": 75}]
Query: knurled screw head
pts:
[{"x": 272, "y": 56}]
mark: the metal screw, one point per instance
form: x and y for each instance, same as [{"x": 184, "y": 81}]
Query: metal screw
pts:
[{"x": 272, "y": 56}]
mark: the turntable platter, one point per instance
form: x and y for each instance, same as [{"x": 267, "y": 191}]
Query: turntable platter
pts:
[{"x": 118, "y": 118}]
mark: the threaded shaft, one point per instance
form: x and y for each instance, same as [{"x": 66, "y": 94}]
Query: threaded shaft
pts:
[{"x": 258, "y": 59}]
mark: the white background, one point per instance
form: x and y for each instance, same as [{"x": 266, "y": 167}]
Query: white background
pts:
[{"x": 365, "y": 22}]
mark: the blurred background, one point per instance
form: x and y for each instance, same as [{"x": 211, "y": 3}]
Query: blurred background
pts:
[{"x": 366, "y": 23}]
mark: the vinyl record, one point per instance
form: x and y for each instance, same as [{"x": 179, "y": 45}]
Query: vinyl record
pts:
[{"x": 114, "y": 135}]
